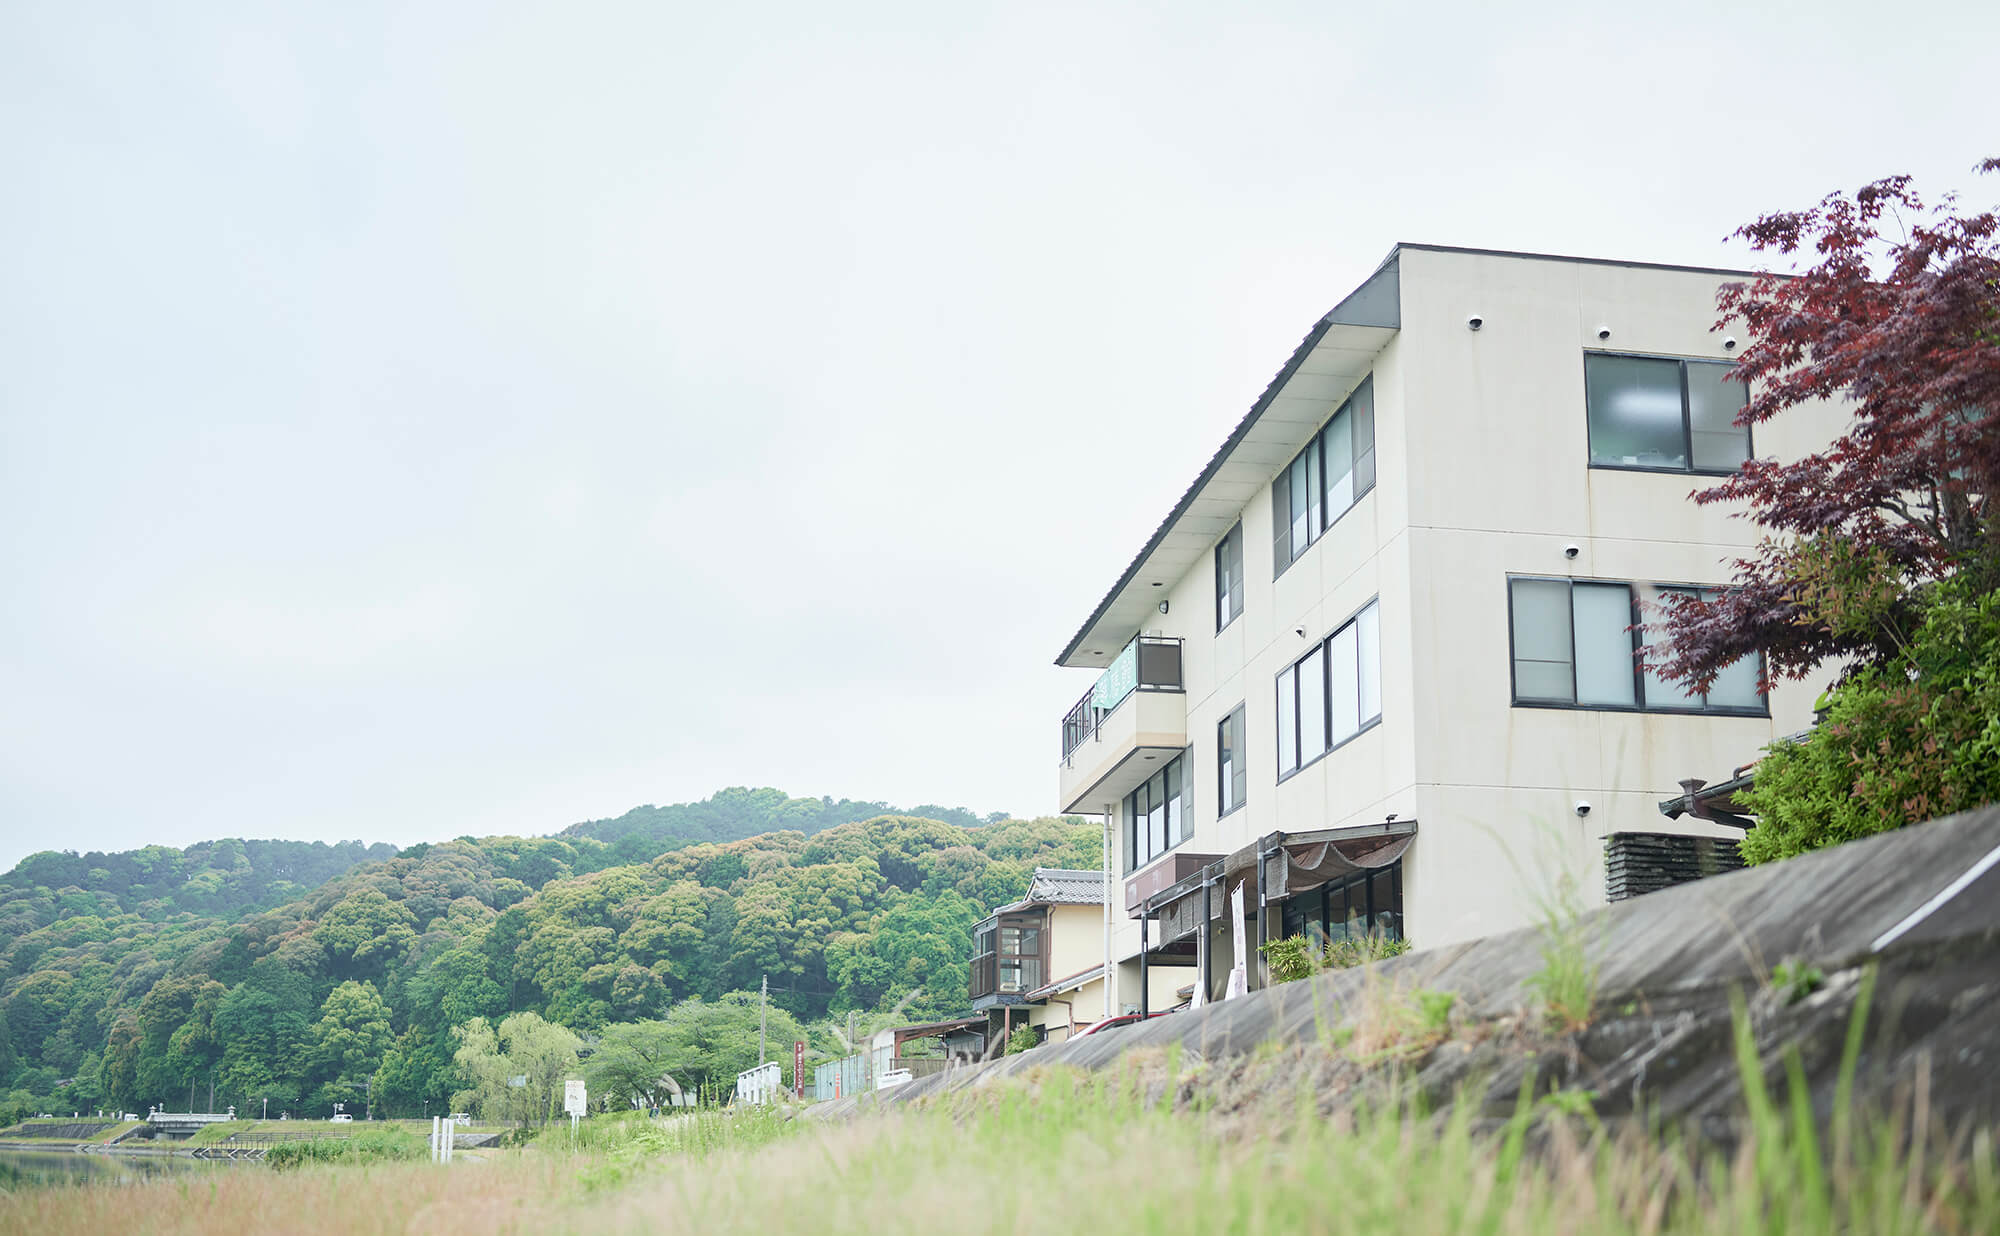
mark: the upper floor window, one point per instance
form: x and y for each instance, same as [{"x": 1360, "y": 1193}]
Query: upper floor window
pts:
[
  {"x": 1156, "y": 815},
  {"x": 1327, "y": 477},
  {"x": 1232, "y": 771},
  {"x": 1229, "y": 577},
  {"x": 1660, "y": 414},
  {"x": 1576, "y": 643},
  {"x": 1331, "y": 694}
]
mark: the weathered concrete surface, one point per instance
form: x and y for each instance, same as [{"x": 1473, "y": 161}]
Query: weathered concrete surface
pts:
[{"x": 1661, "y": 1037}]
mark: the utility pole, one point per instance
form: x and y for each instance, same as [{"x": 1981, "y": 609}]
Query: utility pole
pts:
[{"x": 763, "y": 995}]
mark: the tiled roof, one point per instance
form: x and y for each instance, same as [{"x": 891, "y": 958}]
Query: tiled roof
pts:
[{"x": 1064, "y": 887}]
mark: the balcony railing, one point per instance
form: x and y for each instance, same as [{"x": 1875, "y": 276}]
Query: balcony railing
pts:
[{"x": 1148, "y": 663}]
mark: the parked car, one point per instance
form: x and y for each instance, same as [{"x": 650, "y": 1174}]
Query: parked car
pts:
[
  {"x": 341, "y": 1118},
  {"x": 1123, "y": 1019}
]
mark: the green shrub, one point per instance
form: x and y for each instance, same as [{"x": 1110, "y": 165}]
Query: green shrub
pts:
[
  {"x": 1022, "y": 1039},
  {"x": 1297, "y": 957},
  {"x": 1898, "y": 744},
  {"x": 367, "y": 1146}
]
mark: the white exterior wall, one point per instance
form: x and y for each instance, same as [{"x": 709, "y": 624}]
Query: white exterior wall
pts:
[{"x": 1482, "y": 457}]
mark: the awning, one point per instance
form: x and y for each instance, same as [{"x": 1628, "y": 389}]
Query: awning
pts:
[
  {"x": 1294, "y": 863},
  {"x": 1301, "y": 862}
]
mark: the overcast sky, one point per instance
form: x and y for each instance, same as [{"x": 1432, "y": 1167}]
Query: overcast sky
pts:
[{"x": 422, "y": 419}]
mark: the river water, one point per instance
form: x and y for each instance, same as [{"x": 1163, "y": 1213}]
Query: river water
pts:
[{"x": 28, "y": 1169}]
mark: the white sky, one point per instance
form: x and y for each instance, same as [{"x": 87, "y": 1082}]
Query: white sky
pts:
[{"x": 425, "y": 419}]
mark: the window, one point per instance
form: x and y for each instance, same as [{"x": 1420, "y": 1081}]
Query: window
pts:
[
  {"x": 1232, "y": 771},
  {"x": 1331, "y": 694},
  {"x": 1734, "y": 689},
  {"x": 1327, "y": 477},
  {"x": 1229, "y": 577},
  {"x": 1576, "y": 643},
  {"x": 1156, "y": 815},
  {"x": 1367, "y": 903},
  {"x": 1652, "y": 412}
]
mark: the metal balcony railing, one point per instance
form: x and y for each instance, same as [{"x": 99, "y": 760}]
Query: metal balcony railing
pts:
[{"x": 1148, "y": 663}]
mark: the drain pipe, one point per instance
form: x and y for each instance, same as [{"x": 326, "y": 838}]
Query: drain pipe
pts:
[{"x": 1110, "y": 974}]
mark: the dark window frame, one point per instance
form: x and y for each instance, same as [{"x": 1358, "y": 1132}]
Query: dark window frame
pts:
[
  {"x": 1325, "y": 649},
  {"x": 1229, "y": 584},
  {"x": 1319, "y": 518},
  {"x": 1134, "y": 823},
  {"x": 1633, "y": 633},
  {"x": 1687, "y": 417},
  {"x": 1314, "y": 908},
  {"x": 1238, "y": 775}
]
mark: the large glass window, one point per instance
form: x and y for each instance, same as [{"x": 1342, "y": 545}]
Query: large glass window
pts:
[
  {"x": 1232, "y": 771},
  {"x": 1330, "y": 694},
  {"x": 1156, "y": 815},
  {"x": 1367, "y": 903},
  {"x": 1734, "y": 689},
  {"x": 1653, "y": 412},
  {"x": 1576, "y": 642},
  {"x": 1229, "y": 577},
  {"x": 1327, "y": 477}
]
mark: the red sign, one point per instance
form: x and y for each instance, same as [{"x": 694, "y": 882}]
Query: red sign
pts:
[{"x": 799, "y": 1068}]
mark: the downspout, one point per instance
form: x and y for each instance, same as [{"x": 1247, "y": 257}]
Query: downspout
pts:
[
  {"x": 1110, "y": 975},
  {"x": 1069, "y": 1011}
]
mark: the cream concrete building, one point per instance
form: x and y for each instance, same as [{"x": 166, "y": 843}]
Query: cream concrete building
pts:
[{"x": 1374, "y": 667}]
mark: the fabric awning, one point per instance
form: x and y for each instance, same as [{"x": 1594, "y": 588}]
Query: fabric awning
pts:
[{"x": 1294, "y": 863}]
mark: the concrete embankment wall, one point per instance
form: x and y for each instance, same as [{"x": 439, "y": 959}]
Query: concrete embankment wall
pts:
[{"x": 1668, "y": 963}]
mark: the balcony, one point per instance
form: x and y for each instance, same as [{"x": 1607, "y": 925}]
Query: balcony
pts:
[
  {"x": 1010, "y": 958},
  {"x": 1133, "y": 716}
]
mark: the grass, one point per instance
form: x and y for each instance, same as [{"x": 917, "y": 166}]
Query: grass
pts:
[
  {"x": 1566, "y": 985},
  {"x": 962, "y": 1168},
  {"x": 106, "y": 1131},
  {"x": 1116, "y": 1151},
  {"x": 222, "y": 1131}
]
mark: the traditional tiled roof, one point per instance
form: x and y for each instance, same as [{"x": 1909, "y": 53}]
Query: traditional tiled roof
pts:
[{"x": 1059, "y": 886}]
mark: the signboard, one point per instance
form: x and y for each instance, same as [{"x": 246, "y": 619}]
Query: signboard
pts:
[
  {"x": 574, "y": 1098},
  {"x": 799, "y": 1068}
]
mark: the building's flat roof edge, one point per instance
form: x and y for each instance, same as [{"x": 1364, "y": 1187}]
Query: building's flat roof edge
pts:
[{"x": 1524, "y": 255}]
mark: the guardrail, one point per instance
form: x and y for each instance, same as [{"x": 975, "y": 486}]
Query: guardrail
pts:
[{"x": 1148, "y": 663}]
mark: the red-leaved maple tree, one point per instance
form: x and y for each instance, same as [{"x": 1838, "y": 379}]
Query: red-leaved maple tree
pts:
[{"x": 1898, "y": 316}]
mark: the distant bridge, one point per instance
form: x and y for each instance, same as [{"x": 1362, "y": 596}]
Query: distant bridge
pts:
[{"x": 186, "y": 1124}]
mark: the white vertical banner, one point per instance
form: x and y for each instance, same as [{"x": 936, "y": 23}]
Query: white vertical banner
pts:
[{"x": 1239, "y": 935}]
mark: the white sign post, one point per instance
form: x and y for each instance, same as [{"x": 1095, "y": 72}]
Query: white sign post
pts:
[{"x": 575, "y": 1100}]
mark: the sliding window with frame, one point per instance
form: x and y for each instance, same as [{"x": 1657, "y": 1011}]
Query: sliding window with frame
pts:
[
  {"x": 1325, "y": 479},
  {"x": 1578, "y": 644},
  {"x": 1232, "y": 769},
  {"x": 1332, "y": 693},
  {"x": 1156, "y": 815},
  {"x": 1229, "y": 577},
  {"x": 1661, "y": 414}
]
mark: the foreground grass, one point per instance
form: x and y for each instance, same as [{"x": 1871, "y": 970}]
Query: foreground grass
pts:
[{"x": 1103, "y": 1154}]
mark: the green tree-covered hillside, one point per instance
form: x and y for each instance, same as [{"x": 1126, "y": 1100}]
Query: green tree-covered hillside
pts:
[{"x": 360, "y": 983}]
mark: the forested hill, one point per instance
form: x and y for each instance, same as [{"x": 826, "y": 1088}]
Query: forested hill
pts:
[
  {"x": 232, "y": 877},
  {"x": 736, "y": 813},
  {"x": 223, "y": 878},
  {"x": 104, "y": 1004}
]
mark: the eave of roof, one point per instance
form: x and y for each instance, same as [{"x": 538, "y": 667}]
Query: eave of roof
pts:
[
  {"x": 1361, "y": 307},
  {"x": 1364, "y": 306}
]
